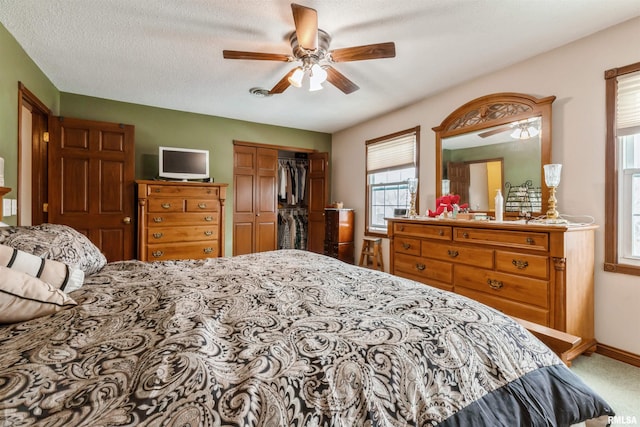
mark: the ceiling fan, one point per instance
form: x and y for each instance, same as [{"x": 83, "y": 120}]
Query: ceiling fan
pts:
[
  {"x": 521, "y": 129},
  {"x": 310, "y": 47}
]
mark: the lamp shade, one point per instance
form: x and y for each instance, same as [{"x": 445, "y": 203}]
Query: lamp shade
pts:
[
  {"x": 296, "y": 78},
  {"x": 318, "y": 73},
  {"x": 412, "y": 184},
  {"x": 314, "y": 85},
  {"x": 552, "y": 174}
]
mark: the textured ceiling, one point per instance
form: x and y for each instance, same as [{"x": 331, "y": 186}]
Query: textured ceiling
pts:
[{"x": 169, "y": 53}]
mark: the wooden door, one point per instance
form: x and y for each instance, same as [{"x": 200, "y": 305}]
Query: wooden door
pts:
[
  {"x": 91, "y": 182},
  {"x": 33, "y": 119},
  {"x": 255, "y": 210},
  {"x": 318, "y": 199},
  {"x": 266, "y": 221},
  {"x": 244, "y": 167},
  {"x": 459, "y": 174}
]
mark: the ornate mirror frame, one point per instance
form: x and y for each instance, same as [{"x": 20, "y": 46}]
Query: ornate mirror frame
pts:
[{"x": 495, "y": 110}]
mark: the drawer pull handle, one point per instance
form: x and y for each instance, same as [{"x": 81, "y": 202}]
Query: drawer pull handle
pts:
[
  {"x": 520, "y": 264},
  {"x": 158, "y": 219},
  {"x": 465, "y": 235},
  {"x": 495, "y": 284},
  {"x": 420, "y": 267},
  {"x": 202, "y": 205},
  {"x": 531, "y": 241},
  {"x": 406, "y": 246},
  {"x": 401, "y": 228},
  {"x": 208, "y": 233},
  {"x": 157, "y": 254},
  {"x": 208, "y": 218},
  {"x": 452, "y": 253},
  {"x": 157, "y": 235},
  {"x": 166, "y": 205},
  {"x": 440, "y": 232},
  {"x": 207, "y": 250}
]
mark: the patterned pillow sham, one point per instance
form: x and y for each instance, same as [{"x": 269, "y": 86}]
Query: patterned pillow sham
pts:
[
  {"x": 57, "y": 242},
  {"x": 60, "y": 275},
  {"x": 24, "y": 297}
]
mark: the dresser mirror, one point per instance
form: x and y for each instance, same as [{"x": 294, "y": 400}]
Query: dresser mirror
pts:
[{"x": 499, "y": 141}]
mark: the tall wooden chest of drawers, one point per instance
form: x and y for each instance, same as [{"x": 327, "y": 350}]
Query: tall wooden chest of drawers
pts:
[
  {"x": 338, "y": 234},
  {"x": 180, "y": 220},
  {"x": 536, "y": 272}
]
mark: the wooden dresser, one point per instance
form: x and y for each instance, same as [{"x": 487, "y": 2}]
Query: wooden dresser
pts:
[
  {"x": 536, "y": 272},
  {"x": 180, "y": 220},
  {"x": 338, "y": 234}
]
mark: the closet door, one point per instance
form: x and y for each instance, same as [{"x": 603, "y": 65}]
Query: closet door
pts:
[
  {"x": 255, "y": 213},
  {"x": 318, "y": 199},
  {"x": 244, "y": 171},
  {"x": 266, "y": 220}
]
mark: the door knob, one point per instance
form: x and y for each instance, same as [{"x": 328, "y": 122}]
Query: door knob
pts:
[{"x": 126, "y": 220}]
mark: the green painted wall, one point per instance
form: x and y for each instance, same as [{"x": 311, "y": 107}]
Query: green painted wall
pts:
[
  {"x": 16, "y": 66},
  {"x": 521, "y": 159},
  {"x": 157, "y": 126}
]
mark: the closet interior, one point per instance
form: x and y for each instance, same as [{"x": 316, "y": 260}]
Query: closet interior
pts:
[{"x": 293, "y": 215}]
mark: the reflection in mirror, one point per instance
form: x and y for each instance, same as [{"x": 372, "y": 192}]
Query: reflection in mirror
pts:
[
  {"x": 498, "y": 141},
  {"x": 505, "y": 157}
]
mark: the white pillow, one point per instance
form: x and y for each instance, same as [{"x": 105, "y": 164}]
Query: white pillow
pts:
[
  {"x": 24, "y": 297},
  {"x": 53, "y": 272}
]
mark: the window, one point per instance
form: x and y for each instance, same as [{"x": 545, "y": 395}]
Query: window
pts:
[
  {"x": 391, "y": 160},
  {"x": 622, "y": 226}
]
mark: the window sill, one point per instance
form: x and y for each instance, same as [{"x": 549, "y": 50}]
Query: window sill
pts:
[
  {"x": 633, "y": 270},
  {"x": 376, "y": 233}
]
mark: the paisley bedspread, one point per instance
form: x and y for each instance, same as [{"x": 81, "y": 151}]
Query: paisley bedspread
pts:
[{"x": 283, "y": 338}]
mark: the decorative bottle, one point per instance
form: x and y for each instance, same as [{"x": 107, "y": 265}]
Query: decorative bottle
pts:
[{"x": 499, "y": 205}]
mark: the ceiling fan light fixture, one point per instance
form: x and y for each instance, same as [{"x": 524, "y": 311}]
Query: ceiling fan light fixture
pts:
[
  {"x": 318, "y": 73},
  {"x": 525, "y": 132},
  {"x": 296, "y": 78},
  {"x": 314, "y": 84}
]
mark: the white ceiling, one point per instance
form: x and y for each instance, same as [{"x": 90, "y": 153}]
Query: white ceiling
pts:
[{"x": 169, "y": 53}]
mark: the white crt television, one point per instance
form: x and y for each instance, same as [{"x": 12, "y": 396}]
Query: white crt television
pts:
[{"x": 183, "y": 163}]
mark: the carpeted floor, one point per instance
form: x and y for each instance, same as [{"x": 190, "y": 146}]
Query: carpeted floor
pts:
[{"x": 617, "y": 382}]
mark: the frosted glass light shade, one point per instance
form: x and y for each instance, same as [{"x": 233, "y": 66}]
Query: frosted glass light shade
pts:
[
  {"x": 318, "y": 73},
  {"x": 552, "y": 174},
  {"x": 446, "y": 187},
  {"x": 296, "y": 78},
  {"x": 412, "y": 183},
  {"x": 314, "y": 84}
]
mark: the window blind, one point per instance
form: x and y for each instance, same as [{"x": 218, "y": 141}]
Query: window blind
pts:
[
  {"x": 395, "y": 153},
  {"x": 628, "y": 104}
]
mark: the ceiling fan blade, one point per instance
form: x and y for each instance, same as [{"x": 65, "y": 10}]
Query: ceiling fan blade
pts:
[
  {"x": 338, "y": 79},
  {"x": 237, "y": 54},
  {"x": 283, "y": 84},
  {"x": 494, "y": 131},
  {"x": 306, "y": 20},
  {"x": 360, "y": 53}
]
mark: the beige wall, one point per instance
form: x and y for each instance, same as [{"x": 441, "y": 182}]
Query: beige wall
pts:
[{"x": 575, "y": 75}]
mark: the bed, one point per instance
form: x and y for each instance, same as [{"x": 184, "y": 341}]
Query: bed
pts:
[{"x": 282, "y": 338}]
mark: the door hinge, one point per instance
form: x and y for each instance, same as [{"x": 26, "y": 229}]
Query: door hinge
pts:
[
  {"x": 45, "y": 207},
  {"x": 45, "y": 137}
]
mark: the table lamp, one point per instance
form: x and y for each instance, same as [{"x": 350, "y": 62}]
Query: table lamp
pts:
[{"x": 412, "y": 184}]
